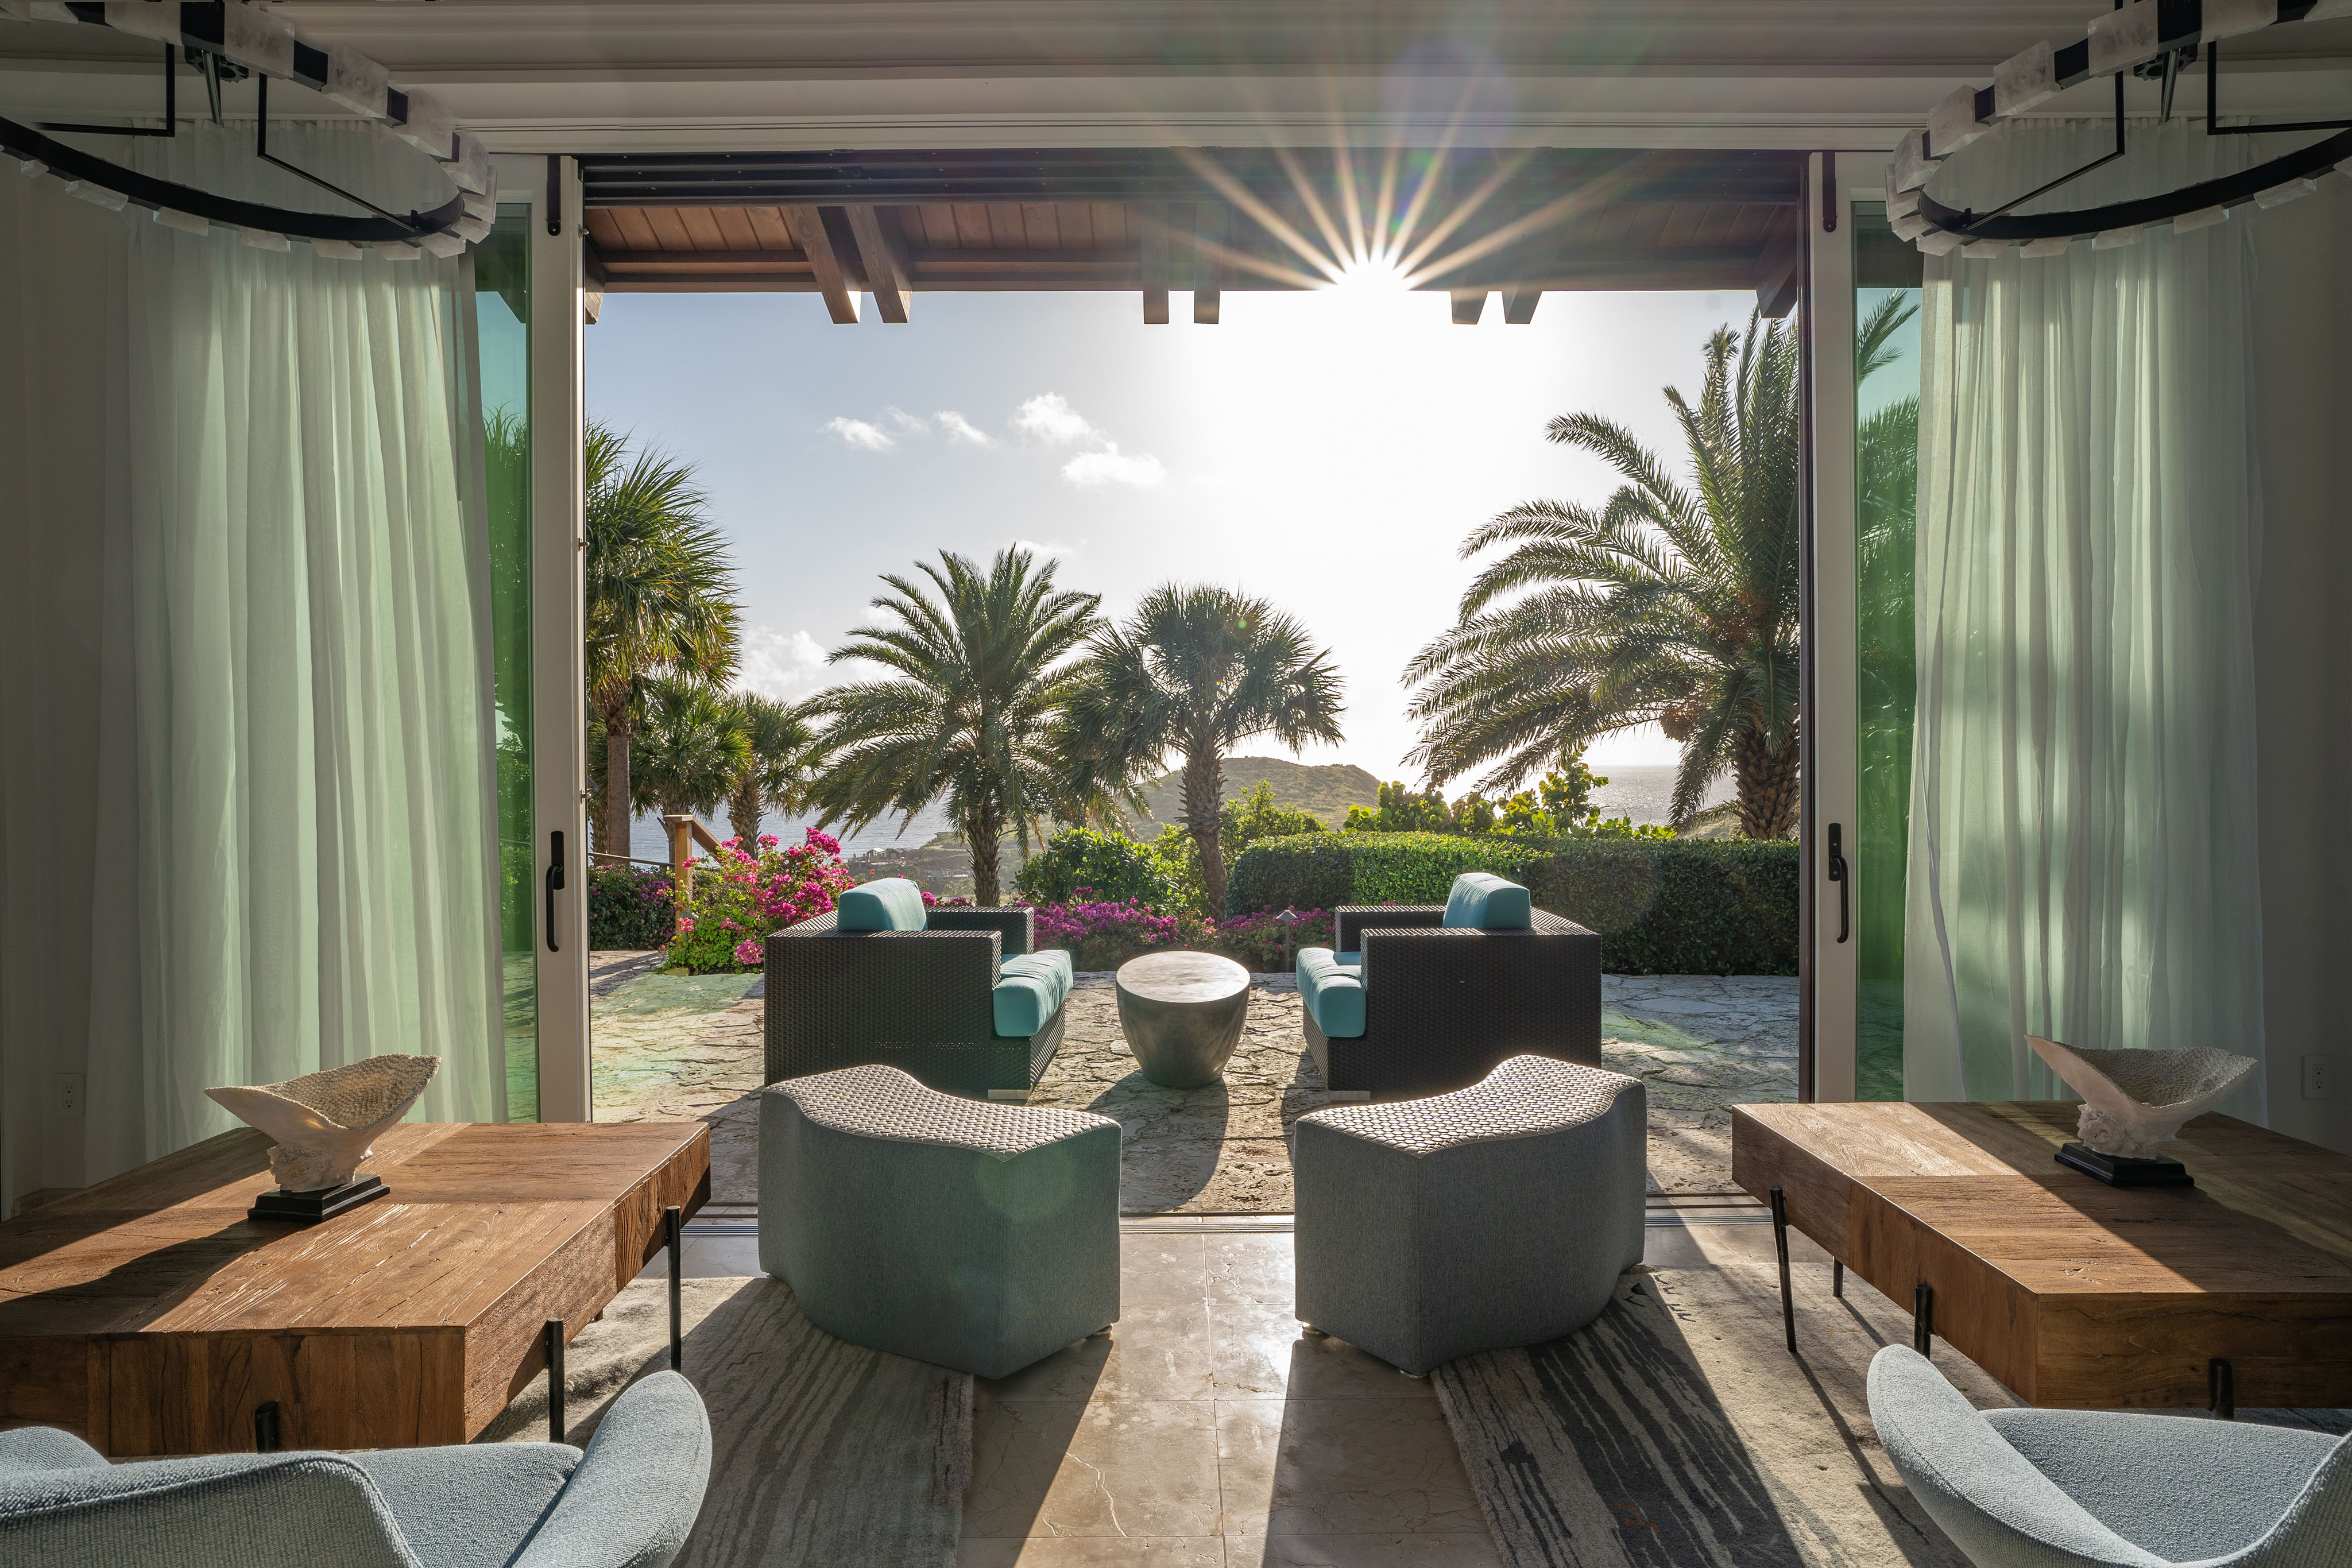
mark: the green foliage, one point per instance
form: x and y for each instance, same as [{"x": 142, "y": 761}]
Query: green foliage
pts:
[
  {"x": 1673, "y": 601},
  {"x": 1663, "y": 906},
  {"x": 1258, "y": 815},
  {"x": 977, "y": 675},
  {"x": 1113, "y": 868},
  {"x": 1197, "y": 671},
  {"x": 628, "y": 908},
  {"x": 1558, "y": 806},
  {"x": 691, "y": 744}
]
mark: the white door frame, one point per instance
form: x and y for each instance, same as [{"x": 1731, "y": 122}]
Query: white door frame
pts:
[
  {"x": 559, "y": 727},
  {"x": 1832, "y": 787}
]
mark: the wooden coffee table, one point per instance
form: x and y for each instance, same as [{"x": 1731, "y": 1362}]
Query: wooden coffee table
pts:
[
  {"x": 148, "y": 1315},
  {"x": 2235, "y": 1292}
]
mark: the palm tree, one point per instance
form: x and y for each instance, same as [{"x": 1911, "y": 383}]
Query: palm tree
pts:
[
  {"x": 980, "y": 674},
  {"x": 1197, "y": 671},
  {"x": 692, "y": 744},
  {"x": 660, "y": 600},
  {"x": 776, "y": 765},
  {"x": 1671, "y": 602}
]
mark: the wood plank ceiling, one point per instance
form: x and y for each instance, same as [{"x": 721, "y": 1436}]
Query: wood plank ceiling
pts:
[{"x": 1150, "y": 221}]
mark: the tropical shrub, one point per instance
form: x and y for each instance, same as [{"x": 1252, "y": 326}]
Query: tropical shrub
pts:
[
  {"x": 1262, "y": 944},
  {"x": 1661, "y": 906},
  {"x": 740, "y": 896},
  {"x": 1103, "y": 934},
  {"x": 1559, "y": 805},
  {"x": 628, "y": 908},
  {"x": 1258, "y": 815},
  {"x": 1114, "y": 868}
]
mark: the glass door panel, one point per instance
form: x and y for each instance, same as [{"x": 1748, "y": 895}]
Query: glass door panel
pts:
[
  {"x": 1886, "y": 452},
  {"x": 502, "y": 314}
]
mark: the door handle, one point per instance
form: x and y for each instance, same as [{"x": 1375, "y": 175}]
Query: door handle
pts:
[
  {"x": 554, "y": 882},
  {"x": 1837, "y": 875}
]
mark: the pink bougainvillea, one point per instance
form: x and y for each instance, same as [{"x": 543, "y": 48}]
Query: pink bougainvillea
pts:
[{"x": 741, "y": 897}]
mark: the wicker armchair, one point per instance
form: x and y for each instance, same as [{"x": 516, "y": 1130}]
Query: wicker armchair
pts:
[
  {"x": 917, "y": 1000},
  {"x": 1443, "y": 1007}
]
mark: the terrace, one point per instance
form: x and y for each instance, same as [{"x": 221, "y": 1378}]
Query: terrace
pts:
[{"x": 1958, "y": 1102}]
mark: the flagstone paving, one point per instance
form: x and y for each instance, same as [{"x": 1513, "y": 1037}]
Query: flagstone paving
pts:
[{"x": 682, "y": 1047}]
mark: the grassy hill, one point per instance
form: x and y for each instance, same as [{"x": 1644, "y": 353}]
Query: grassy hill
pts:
[{"x": 1324, "y": 792}]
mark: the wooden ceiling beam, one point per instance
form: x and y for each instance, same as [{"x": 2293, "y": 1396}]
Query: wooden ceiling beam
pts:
[
  {"x": 1155, "y": 264},
  {"x": 888, "y": 274},
  {"x": 1469, "y": 304},
  {"x": 1208, "y": 263},
  {"x": 808, "y": 231},
  {"x": 1519, "y": 303}
]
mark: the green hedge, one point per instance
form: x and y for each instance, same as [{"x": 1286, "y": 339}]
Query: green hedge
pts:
[{"x": 1673, "y": 906}]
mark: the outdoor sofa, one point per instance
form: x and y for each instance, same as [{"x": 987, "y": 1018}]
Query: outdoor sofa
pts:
[
  {"x": 958, "y": 997},
  {"x": 628, "y": 1502},
  {"x": 1423, "y": 998}
]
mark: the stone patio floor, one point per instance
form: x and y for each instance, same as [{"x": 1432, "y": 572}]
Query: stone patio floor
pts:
[{"x": 686, "y": 1047}]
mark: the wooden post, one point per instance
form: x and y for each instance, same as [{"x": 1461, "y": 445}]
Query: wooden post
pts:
[{"x": 682, "y": 851}]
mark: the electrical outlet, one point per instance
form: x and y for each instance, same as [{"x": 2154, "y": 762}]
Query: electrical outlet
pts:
[
  {"x": 2315, "y": 1078},
  {"x": 70, "y": 1087}
]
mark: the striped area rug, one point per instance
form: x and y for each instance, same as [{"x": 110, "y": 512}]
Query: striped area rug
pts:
[
  {"x": 823, "y": 1453},
  {"x": 1676, "y": 1431}
]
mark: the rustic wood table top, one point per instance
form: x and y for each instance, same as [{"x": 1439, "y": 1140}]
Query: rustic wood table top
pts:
[
  {"x": 149, "y": 1315},
  {"x": 2070, "y": 1292}
]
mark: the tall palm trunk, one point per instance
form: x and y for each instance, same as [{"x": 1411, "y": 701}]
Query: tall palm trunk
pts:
[
  {"x": 616, "y": 783},
  {"x": 981, "y": 832},
  {"x": 1204, "y": 789},
  {"x": 1766, "y": 778},
  {"x": 743, "y": 816}
]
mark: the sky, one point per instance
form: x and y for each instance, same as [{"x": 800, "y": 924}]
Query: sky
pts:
[{"x": 1326, "y": 451}]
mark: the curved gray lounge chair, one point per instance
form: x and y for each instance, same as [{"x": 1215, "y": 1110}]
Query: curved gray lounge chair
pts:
[
  {"x": 1499, "y": 1215},
  {"x": 955, "y": 1231},
  {"x": 2093, "y": 1489},
  {"x": 628, "y": 1502}
]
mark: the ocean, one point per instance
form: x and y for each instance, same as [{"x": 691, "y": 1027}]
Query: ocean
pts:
[{"x": 1640, "y": 791}]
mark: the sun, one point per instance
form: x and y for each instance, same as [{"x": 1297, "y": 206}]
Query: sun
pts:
[{"x": 1369, "y": 273}]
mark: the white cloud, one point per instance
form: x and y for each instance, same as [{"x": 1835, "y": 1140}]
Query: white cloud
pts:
[
  {"x": 1041, "y": 549},
  {"x": 906, "y": 422},
  {"x": 857, "y": 432},
  {"x": 962, "y": 429},
  {"x": 785, "y": 665},
  {"x": 1112, "y": 466},
  {"x": 1049, "y": 416}
]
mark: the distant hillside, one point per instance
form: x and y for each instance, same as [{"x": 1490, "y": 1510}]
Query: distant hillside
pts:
[{"x": 1324, "y": 792}]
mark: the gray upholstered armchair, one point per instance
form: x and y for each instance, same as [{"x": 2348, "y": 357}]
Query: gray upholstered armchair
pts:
[
  {"x": 2092, "y": 1488},
  {"x": 628, "y": 1502}
]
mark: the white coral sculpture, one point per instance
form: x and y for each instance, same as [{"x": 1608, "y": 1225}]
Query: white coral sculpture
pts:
[
  {"x": 2134, "y": 1101},
  {"x": 326, "y": 1122}
]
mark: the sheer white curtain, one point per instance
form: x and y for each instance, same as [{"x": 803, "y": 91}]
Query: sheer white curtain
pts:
[
  {"x": 310, "y": 733},
  {"x": 2084, "y": 851}
]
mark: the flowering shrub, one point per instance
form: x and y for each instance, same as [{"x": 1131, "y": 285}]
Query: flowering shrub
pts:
[
  {"x": 628, "y": 908},
  {"x": 1256, "y": 942},
  {"x": 1106, "y": 933},
  {"x": 740, "y": 896}
]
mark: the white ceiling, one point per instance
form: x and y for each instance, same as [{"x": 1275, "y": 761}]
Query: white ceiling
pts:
[{"x": 625, "y": 75}]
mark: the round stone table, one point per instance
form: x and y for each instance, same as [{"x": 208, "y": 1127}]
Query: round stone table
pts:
[{"x": 1182, "y": 1014}]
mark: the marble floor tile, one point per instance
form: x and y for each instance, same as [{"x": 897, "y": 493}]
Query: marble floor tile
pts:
[
  {"x": 1117, "y": 1469},
  {"x": 1093, "y": 1551},
  {"x": 1163, "y": 1269},
  {"x": 1262, "y": 1352},
  {"x": 1152, "y": 1352},
  {"x": 1362, "y": 1552},
  {"x": 1341, "y": 1466}
]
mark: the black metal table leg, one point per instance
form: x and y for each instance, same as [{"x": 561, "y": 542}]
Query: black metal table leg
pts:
[
  {"x": 1923, "y": 1318},
  {"x": 2225, "y": 1385},
  {"x": 552, "y": 1335},
  {"x": 1780, "y": 1241},
  {"x": 673, "y": 1218},
  {"x": 1837, "y": 1278}
]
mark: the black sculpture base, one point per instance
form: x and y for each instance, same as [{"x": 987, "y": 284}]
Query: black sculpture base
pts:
[
  {"x": 309, "y": 1207},
  {"x": 2124, "y": 1170}
]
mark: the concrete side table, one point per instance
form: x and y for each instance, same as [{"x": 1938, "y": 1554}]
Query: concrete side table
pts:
[{"x": 1182, "y": 1014}]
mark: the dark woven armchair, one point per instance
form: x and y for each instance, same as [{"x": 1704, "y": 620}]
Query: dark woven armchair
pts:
[
  {"x": 917, "y": 1000},
  {"x": 1443, "y": 1007}
]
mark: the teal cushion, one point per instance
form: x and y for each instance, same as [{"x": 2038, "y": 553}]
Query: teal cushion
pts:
[
  {"x": 1332, "y": 992},
  {"x": 1035, "y": 986},
  {"x": 1481, "y": 901},
  {"x": 886, "y": 903}
]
